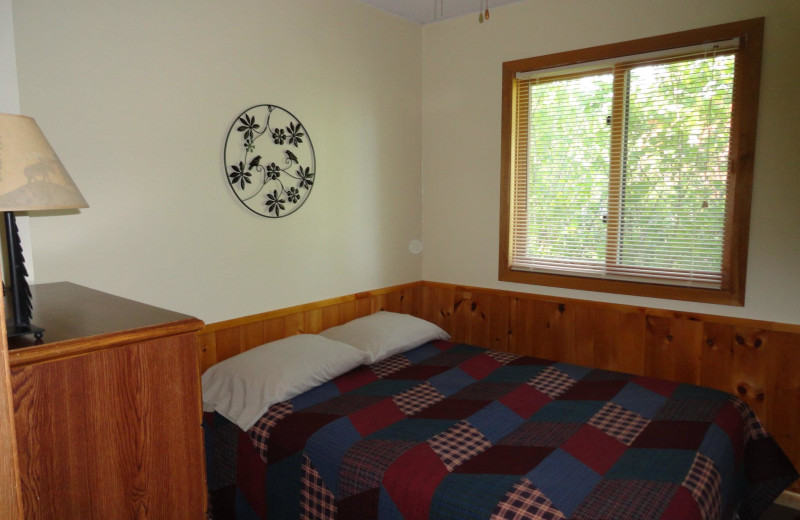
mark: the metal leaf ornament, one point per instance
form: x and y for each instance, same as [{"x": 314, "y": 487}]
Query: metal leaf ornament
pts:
[{"x": 268, "y": 178}]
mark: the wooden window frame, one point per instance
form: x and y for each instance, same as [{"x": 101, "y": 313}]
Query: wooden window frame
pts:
[{"x": 740, "y": 177}]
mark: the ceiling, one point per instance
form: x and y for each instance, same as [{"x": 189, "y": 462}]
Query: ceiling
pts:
[{"x": 429, "y": 11}]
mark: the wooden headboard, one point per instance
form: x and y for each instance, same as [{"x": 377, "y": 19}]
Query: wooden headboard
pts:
[{"x": 757, "y": 360}]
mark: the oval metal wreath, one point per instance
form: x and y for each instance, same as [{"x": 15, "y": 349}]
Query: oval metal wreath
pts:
[{"x": 269, "y": 161}]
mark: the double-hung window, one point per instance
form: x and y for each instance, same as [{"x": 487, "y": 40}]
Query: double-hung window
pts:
[{"x": 628, "y": 168}]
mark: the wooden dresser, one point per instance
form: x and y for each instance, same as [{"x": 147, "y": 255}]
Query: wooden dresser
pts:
[{"x": 108, "y": 409}]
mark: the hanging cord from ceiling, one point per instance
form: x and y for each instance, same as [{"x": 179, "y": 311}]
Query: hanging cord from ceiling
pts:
[
  {"x": 483, "y": 11},
  {"x": 438, "y": 10}
]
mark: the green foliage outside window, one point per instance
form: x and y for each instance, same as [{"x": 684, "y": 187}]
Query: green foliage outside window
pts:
[{"x": 673, "y": 145}]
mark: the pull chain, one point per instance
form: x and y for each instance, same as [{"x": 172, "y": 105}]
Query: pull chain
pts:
[
  {"x": 483, "y": 14},
  {"x": 437, "y": 10}
]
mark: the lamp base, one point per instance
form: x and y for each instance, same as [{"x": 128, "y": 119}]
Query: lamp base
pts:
[
  {"x": 23, "y": 329},
  {"x": 20, "y": 292}
]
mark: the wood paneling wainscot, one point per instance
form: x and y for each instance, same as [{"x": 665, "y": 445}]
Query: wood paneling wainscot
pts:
[{"x": 758, "y": 361}]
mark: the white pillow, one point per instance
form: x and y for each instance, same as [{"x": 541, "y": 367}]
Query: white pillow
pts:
[
  {"x": 244, "y": 386},
  {"x": 385, "y": 334}
]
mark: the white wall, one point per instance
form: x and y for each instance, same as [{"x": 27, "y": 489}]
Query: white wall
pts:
[
  {"x": 9, "y": 91},
  {"x": 461, "y": 136},
  {"x": 9, "y": 104},
  {"x": 137, "y": 98}
]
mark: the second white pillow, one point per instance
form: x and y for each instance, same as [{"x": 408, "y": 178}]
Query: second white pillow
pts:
[{"x": 385, "y": 334}]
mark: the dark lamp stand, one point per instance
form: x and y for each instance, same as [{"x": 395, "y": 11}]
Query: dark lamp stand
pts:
[{"x": 20, "y": 291}]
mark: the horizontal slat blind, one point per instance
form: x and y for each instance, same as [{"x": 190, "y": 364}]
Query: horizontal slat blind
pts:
[{"x": 625, "y": 179}]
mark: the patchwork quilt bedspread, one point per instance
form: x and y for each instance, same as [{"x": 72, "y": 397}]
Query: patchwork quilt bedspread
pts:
[{"x": 452, "y": 431}]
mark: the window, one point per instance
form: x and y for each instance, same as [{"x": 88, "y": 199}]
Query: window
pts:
[{"x": 628, "y": 168}]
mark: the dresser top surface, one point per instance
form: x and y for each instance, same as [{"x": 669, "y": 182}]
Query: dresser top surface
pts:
[{"x": 72, "y": 314}]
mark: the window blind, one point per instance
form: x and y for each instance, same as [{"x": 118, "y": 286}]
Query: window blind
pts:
[{"x": 621, "y": 169}]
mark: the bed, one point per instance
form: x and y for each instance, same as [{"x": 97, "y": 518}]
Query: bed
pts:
[{"x": 426, "y": 428}]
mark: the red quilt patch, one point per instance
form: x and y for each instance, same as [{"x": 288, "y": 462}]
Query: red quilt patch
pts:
[
  {"x": 251, "y": 473},
  {"x": 594, "y": 448},
  {"x": 661, "y": 435},
  {"x": 505, "y": 460},
  {"x": 376, "y": 417},
  {"x": 682, "y": 506},
  {"x": 479, "y": 366},
  {"x": 525, "y": 400},
  {"x": 412, "y": 481},
  {"x": 659, "y": 386},
  {"x": 355, "y": 379}
]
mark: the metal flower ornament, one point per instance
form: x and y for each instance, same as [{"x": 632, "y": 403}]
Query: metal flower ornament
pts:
[{"x": 269, "y": 161}]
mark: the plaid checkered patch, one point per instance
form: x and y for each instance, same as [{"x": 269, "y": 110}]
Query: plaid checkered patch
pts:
[
  {"x": 704, "y": 483},
  {"x": 689, "y": 410},
  {"x": 259, "y": 432},
  {"x": 552, "y": 382},
  {"x": 502, "y": 357},
  {"x": 458, "y": 444},
  {"x": 755, "y": 430},
  {"x": 316, "y": 500},
  {"x": 525, "y": 501},
  {"x": 365, "y": 463},
  {"x": 418, "y": 398},
  {"x": 390, "y": 365},
  {"x": 619, "y": 423}
]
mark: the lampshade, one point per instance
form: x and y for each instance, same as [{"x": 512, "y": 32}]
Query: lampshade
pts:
[{"x": 31, "y": 175}]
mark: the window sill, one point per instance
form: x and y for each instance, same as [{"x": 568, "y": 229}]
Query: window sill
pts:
[{"x": 718, "y": 296}]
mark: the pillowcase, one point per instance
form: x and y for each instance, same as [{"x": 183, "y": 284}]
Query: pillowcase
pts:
[
  {"x": 244, "y": 386},
  {"x": 385, "y": 334}
]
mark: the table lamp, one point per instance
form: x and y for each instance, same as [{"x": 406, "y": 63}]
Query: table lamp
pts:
[{"x": 32, "y": 178}]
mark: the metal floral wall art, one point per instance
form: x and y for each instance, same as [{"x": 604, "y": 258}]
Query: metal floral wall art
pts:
[{"x": 269, "y": 161}]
